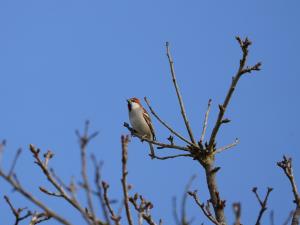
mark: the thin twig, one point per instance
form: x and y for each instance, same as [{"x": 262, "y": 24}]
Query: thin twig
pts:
[
  {"x": 202, "y": 207},
  {"x": 175, "y": 214},
  {"x": 44, "y": 190},
  {"x": 244, "y": 44},
  {"x": 83, "y": 141},
  {"x": 17, "y": 212},
  {"x": 167, "y": 126},
  {"x": 205, "y": 121},
  {"x": 286, "y": 165},
  {"x": 2, "y": 146},
  {"x": 227, "y": 146},
  {"x": 272, "y": 222},
  {"x": 237, "y": 209},
  {"x": 125, "y": 140},
  {"x": 17, "y": 186},
  {"x": 114, "y": 217},
  {"x": 208, "y": 161},
  {"x": 58, "y": 187},
  {"x": 59, "y": 180},
  {"x": 13, "y": 165},
  {"x": 99, "y": 193},
  {"x": 183, "y": 113},
  {"x": 184, "y": 220},
  {"x": 172, "y": 156},
  {"x": 263, "y": 203},
  {"x": 39, "y": 218},
  {"x": 143, "y": 208},
  {"x": 171, "y": 146}
]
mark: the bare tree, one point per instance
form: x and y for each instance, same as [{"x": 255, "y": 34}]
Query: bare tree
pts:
[{"x": 196, "y": 147}]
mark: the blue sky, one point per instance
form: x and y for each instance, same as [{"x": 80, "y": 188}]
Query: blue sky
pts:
[{"x": 62, "y": 62}]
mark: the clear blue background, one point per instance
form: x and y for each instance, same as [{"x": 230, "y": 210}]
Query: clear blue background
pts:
[{"x": 62, "y": 62}]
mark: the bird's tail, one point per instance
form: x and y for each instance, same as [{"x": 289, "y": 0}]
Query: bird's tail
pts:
[{"x": 152, "y": 153}]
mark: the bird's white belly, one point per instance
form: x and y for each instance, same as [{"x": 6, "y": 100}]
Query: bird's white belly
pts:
[{"x": 139, "y": 124}]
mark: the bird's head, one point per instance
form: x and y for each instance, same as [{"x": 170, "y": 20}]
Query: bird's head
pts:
[{"x": 133, "y": 103}]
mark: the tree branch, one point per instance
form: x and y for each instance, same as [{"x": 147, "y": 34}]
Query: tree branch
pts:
[
  {"x": 163, "y": 145},
  {"x": 183, "y": 113},
  {"x": 99, "y": 193},
  {"x": 2, "y": 145},
  {"x": 286, "y": 166},
  {"x": 172, "y": 156},
  {"x": 39, "y": 218},
  {"x": 84, "y": 141},
  {"x": 244, "y": 44},
  {"x": 58, "y": 187},
  {"x": 17, "y": 186},
  {"x": 114, "y": 217},
  {"x": 219, "y": 150},
  {"x": 125, "y": 140},
  {"x": 204, "y": 209},
  {"x": 263, "y": 203},
  {"x": 17, "y": 212},
  {"x": 13, "y": 165},
  {"x": 205, "y": 121},
  {"x": 167, "y": 126},
  {"x": 237, "y": 209},
  {"x": 143, "y": 208}
]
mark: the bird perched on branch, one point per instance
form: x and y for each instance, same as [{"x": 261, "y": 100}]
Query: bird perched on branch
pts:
[{"x": 141, "y": 121}]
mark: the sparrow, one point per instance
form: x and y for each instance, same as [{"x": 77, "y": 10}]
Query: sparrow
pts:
[{"x": 141, "y": 121}]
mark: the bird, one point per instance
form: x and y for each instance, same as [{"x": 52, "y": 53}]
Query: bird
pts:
[{"x": 141, "y": 121}]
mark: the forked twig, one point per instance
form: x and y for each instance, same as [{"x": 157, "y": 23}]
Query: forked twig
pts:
[
  {"x": 17, "y": 212},
  {"x": 143, "y": 208},
  {"x": 113, "y": 216},
  {"x": 58, "y": 187},
  {"x": 263, "y": 203},
  {"x": 17, "y": 186},
  {"x": 244, "y": 44},
  {"x": 83, "y": 141}
]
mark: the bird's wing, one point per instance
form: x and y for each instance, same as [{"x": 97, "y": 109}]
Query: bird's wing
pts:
[{"x": 148, "y": 121}]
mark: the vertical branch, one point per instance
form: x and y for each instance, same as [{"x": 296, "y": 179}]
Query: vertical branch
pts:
[
  {"x": 237, "y": 209},
  {"x": 99, "y": 188},
  {"x": 125, "y": 141},
  {"x": 286, "y": 165},
  {"x": 244, "y": 44},
  {"x": 114, "y": 217},
  {"x": 183, "y": 113},
  {"x": 205, "y": 121},
  {"x": 183, "y": 202},
  {"x": 208, "y": 160},
  {"x": 217, "y": 203},
  {"x": 84, "y": 140}
]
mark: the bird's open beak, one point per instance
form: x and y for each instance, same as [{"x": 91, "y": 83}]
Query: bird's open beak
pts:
[{"x": 128, "y": 101}]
